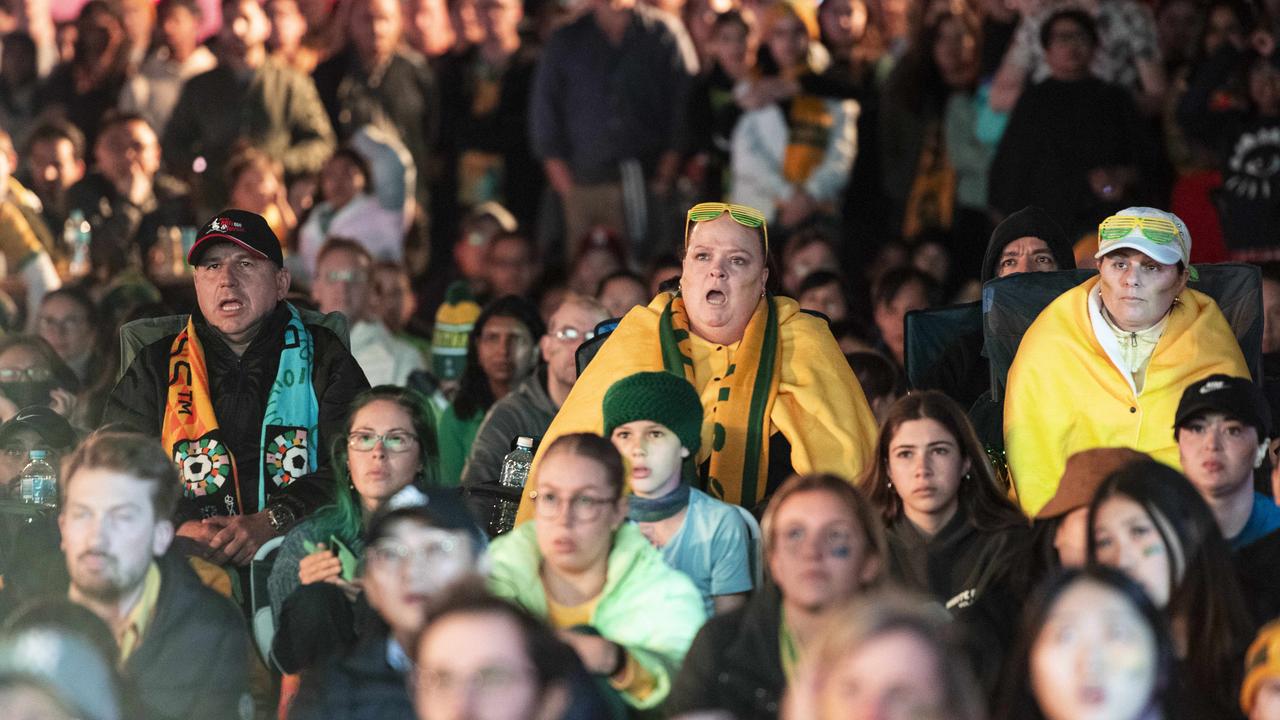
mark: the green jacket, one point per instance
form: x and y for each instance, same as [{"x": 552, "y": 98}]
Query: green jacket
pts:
[{"x": 648, "y": 608}]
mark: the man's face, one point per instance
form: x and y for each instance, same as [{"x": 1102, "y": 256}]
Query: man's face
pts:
[
  {"x": 126, "y": 149},
  {"x": 236, "y": 289},
  {"x": 288, "y": 26},
  {"x": 53, "y": 167},
  {"x": 180, "y": 28},
  {"x": 499, "y": 18},
  {"x": 396, "y": 302},
  {"x": 375, "y": 27},
  {"x": 510, "y": 267},
  {"x": 109, "y": 532},
  {"x": 14, "y": 452},
  {"x": 566, "y": 332},
  {"x": 342, "y": 284},
  {"x": 1026, "y": 254},
  {"x": 245, "y": 27},
  {"x": 1069, "y": 50},
  {"x": 1217, "y": 454}
]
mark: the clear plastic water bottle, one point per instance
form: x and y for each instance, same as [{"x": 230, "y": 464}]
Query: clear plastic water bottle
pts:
[
  {"x": 39, "y": 482},
  {"x": 515, "y": 472},
  {"x": 77, "y": 234}
]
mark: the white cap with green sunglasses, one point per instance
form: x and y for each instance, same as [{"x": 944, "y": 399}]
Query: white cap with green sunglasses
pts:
[{"x": 1160, "y": 235}]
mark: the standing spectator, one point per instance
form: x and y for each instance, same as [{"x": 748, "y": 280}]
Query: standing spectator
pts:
[
  {"x": 129, "y": 204},
  {"x": 429, "y": 29},
  {"x": 375, "y": 82},
  {"x": 349, "y": 210},
  {"x": 153, "y": 90},
  {"x": 290, "y": 41},
  {"x": 241, "y": 347},
  {"x": 792, "y": 159},
  {"x": 513, "y": 265},
  {"x": 1075, "y": 144},
  {"x": 25, "y": 242},
  {"x": 19, "y": 85},
  {"x": 276, "y": 109},
  {"x": 713, "y": 108},
  {"x": 608, "y": 98},
  {"x": 257, "y": 185},
  {"x": 484, "y": 124},
  {"x": 119, "y": 491},
  {"x": 343, "y": 283},
  {"x": 138, "y": 17},
  {"x": 84, "y": 89},
  {"x": 54, "y": 162}
]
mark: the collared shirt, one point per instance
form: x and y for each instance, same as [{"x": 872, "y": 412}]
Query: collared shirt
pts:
[{"x": 140, "y": 616}]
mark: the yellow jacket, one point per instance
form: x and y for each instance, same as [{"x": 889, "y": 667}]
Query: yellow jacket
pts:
[
  {"x": 820, "y": 408},
  {"x": 1065, "y": 394}
]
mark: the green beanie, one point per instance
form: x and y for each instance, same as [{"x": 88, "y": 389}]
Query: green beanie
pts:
[{"x": 658, "y": 397}]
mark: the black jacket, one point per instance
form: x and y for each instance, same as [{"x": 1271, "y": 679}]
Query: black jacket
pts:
[
  {"x": 241, "y": 386},
  {"x": 123, "y": 233},
  {"x": 956, "y": 565},
  {"x": 735, "y": 663},
  {"x": 359, "y": 684},
  {"x": 194, "y": 658}
]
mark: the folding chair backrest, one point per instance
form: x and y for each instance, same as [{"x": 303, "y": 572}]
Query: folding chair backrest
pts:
[
  {"x": 264, "y": 622},
  {"x": 934, "y": 337},
  {"x": 587, "y": 350}
]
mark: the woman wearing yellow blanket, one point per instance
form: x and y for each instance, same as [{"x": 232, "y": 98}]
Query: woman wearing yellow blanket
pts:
[
  {"x": 1105, "y": 364},
  {"x": 777, "y": 393}
]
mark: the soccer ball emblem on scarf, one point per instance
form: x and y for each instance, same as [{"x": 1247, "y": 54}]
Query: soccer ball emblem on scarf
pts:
[
  {"x": 286, "y": 457},
  {"x": 205, "y": 465}
]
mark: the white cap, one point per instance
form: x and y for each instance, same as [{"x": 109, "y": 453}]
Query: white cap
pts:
[
  {"x": 1166, "y": 253},
  {"x": 524, "y": 442}
]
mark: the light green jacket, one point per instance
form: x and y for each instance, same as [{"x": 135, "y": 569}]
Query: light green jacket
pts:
[{"x": 648, "y": 608}]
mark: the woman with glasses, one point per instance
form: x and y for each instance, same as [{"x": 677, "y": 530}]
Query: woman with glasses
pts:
[
  {"x": 31, "y": 373},
  {"x": 388, "y": 446},
  {"x": 413, "y": 554},
  {"x": 824, "y": 545},
  {"x": 1105, "y": 364},
  {"x": 777, "y": 394},
  {"x": 594, "y": 577}
]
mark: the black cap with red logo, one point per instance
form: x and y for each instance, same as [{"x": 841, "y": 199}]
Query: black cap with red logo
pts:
[{"x": 247, "y": 229}]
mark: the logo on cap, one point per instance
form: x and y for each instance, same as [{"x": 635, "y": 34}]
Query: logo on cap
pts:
[
  {"x": 1212, "y": 386},
  {"x": 223, "y": 225}
]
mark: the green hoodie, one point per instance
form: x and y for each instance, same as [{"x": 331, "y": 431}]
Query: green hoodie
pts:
[{"x": 650, "y": 609}]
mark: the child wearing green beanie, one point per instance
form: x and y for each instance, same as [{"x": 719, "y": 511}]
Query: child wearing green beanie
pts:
[{"x": 654, "y": 419}]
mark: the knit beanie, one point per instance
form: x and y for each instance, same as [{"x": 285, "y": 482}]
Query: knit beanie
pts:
[
  {"x": 454, "y": 320},
  {"x": 658, "y": 397},
  {"x": 1030, "y": 221},
  {"x": 1261, "y": 662}
]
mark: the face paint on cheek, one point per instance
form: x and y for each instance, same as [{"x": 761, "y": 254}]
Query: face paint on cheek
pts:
[
  {"x": 839, "y": 551},
  {"x": 1153, "y": 550}
]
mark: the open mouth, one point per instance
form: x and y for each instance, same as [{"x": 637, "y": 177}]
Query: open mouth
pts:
[
  {"x": 716, "y": 297},
  {"x": 230, "y": 306}
]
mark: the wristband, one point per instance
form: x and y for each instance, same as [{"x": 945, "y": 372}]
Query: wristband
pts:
[{"x": 621, "y": 663}]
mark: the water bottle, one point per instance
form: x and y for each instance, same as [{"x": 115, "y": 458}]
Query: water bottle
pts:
[
  {"x": 515, "y": 471},
  {"x": 38, "y": 481},
  {"x": 77, "y": 234}
]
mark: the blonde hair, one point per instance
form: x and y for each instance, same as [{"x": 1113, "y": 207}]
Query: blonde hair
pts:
[{"x": 845, "y": 493}]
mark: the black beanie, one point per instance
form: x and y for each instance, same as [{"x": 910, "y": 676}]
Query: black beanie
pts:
[{"x": 1030, "y": 221}]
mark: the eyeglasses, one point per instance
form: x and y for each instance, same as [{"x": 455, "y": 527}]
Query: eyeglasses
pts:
[
  {"x": 833, "y": 542},
  {"x": 398, "y": 554},
  {"x": 583, "y": 508},
  {"x": 1157, "y": 230},
  {"x": 346, "y": 276},
  {"x": 34, "y": 374},
  {"x": 395, "y": 442},
  {"x": 570, "y": 334},
  {"x": 741, "y": 214},
  {"x": 485, "y": 681}
]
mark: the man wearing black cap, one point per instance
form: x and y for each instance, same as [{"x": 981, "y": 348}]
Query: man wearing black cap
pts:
[
  {"x": 1222, "y": 426},
  {"x": 246, "y": 396}
]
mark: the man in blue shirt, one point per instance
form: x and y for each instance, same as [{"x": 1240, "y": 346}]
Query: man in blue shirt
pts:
[{"x": 1222, "y": 426}]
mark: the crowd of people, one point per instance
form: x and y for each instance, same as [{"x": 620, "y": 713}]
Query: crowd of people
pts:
[{"x": 863, "y": 355}]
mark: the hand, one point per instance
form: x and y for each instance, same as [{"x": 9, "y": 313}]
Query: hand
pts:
[
  {"x": 200, "y": 533},
  {"x": 559, "y": 176},
  {"x": 240, "y": 537},
  {"x": 598, "y": 655},
  {"x": 63, "y": 402},
  {"x": 320, "y": 566},
  {"x": 796, "y": 209},
  {"x": 136, "y": 188}
]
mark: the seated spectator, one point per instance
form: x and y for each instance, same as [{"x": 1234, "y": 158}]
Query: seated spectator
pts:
[
  {"x": 26, "y": 247},
  {"x": 413, "y": 554},
  {"x": 654, "y": 419},
  {"x": 68, "y": 320},
  {"x": 1222, "y": 427},
  {"x": 118, "y": 493},
  {"x": 528, "y": 673},
  {"x": 88, "y": 85},
  {"x": 792, "y": 158},
  {"x": 529, "y": 408},
  {"x": 557, "y": 566},
  {"x": 803, "y": 254},
  {"x": 152, "y": 91},
  {"x": 33, "y": 428},
  {"x": 349, "y": 210},
  {"x": 500, "y": 355},
  {"x": 55, "y": 674},
  {"x": 280, "y": 112},
  {"x": 713, "y": 109},
  {"x": 622, "y": 291},
  {"x": 1063, "y": 522},
  {"x": 880, "y": 380},
  {"x": 1075, "y": 144},
  {"x": 53, "y": 162},
  {"x": 885, "y": 655},
  {"x": 389, "y": 446},
  {"x": 257, "y": 185},
  {"x": 31, "y": 373},
  {"x": 450, "y": 341},
  {"x": 343, "y": 283},
  {"x": 1106, "y": 362},
  {"x": 952, "y": 530},
  {"x": 897, "y": 293},
  {"x": 663, "y": 270},
  {"x": 240, "y": 346},
  {"x": 1093, "y": 644},
  {"x": 823, "y": 544},
  {"x": 1149, "y": 522},
  {"x": 513, "y": 266},
  {"x": 127, "y": 201},
  {"x": 825, "y": 292},
  {"x": 600, "y": 254},
  {"x": 1260, "y": 693}
]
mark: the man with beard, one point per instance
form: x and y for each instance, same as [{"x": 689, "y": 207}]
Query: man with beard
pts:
[{"x": 182, "y": 646}]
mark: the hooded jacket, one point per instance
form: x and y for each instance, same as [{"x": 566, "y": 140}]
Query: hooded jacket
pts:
[
  {"x": 648, "y": 608},
  {"x": 1030, "y": 221},
  {"x": 1065, "y": 394}
]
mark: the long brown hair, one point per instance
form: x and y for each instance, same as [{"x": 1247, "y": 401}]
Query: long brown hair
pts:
[{"x": 989, "y": 508}]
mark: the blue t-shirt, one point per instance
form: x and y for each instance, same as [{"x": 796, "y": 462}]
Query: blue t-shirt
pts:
[
  {"x": 1264, "y": 519},
  {"x": 713, "y": 547}
]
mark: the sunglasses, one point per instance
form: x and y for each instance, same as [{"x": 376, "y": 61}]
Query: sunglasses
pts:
[
  {"x": 395, "y": 442},
  {"x": 1157, "y": 230},
  {"x": 741, "y": 214}
]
